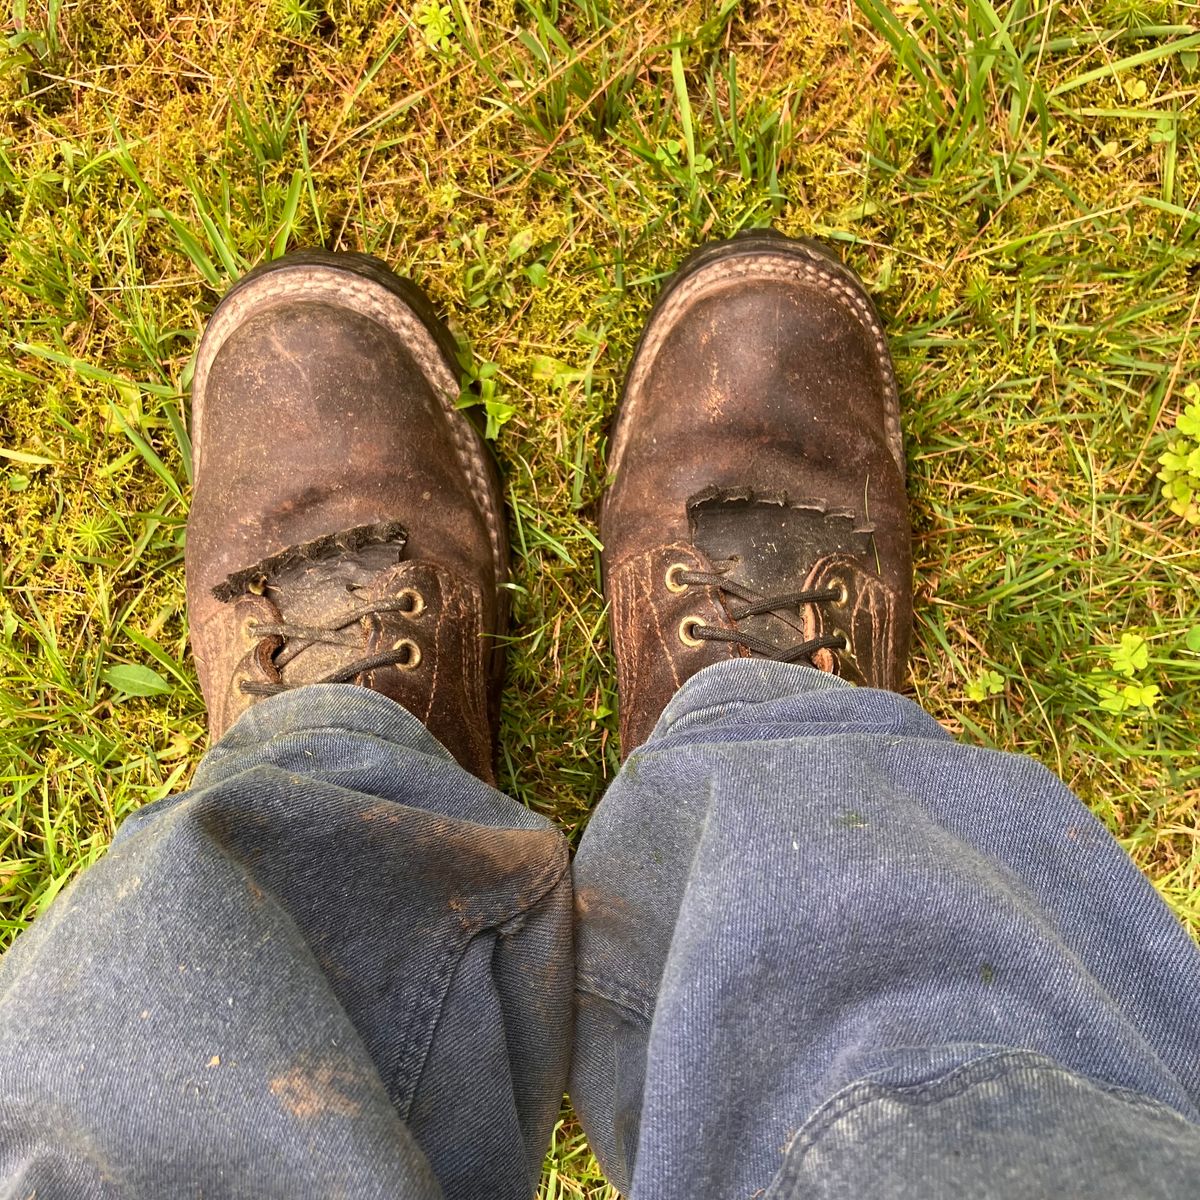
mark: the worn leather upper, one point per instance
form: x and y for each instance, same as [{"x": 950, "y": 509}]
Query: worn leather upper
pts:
[
  {"x": 758, "y": 436},
  {"x": 323, "y": 403}
]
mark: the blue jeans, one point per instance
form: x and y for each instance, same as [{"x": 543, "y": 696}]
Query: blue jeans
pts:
[{"x": 817, "y": 949}]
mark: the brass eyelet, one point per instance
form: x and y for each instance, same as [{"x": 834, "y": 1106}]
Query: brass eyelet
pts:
[
  {"x": 415, "y": 600},
  {"x": 843, "y": 594},
  {"x": 672, "y": 578},
  {"x": 686, "y": 626},
  {"x": 414, "y": 654}
]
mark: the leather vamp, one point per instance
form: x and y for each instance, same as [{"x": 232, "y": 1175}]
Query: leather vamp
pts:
[{"x": 867, "y": 620}]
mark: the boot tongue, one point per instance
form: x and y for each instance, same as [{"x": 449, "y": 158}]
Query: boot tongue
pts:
[
  {"x": 772, "y": 545},
  {"x": 319, "y": 584},
  {"x": 324, "y": 591},
  {"x": 383, "y": 542}
]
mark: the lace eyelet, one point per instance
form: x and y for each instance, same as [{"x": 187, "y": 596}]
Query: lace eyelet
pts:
[
  {"x": 415, "y": 600},
  {"x": 414, "y": 654},
  {"x": 843, "y": 594},
  {"x": 686, "y": 626},
  {"x": 672, "y": 578}
]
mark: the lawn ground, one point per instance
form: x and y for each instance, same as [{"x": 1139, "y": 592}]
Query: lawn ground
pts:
[{"x": 1017, "y": 185}]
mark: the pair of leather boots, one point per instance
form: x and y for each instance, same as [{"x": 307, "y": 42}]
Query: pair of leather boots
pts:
[{"x": 348, "y": 522}]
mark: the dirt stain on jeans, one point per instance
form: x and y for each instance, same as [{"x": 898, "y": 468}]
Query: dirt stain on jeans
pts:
[
  {"x": 320, "y": 1090},
  {"x": 601, "y": 907}
]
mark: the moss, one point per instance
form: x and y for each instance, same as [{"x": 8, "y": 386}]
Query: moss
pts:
[{"x": 1038, "y": 278}]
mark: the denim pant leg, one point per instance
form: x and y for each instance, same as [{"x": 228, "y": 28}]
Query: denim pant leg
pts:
[
  {"x": 824, "y": 950},
  {"x": 338, "y": 966}
]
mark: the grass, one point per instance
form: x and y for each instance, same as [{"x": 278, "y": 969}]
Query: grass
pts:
[{"x": 1017, "y": 184}]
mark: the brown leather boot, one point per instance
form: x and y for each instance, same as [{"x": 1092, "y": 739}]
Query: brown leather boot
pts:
[
  {"x": 757, "y": 504},
  {"x": 347, "y": 522}
]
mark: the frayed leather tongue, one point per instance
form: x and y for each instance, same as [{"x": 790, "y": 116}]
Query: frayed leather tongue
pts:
[
  {"x": 320, "y": 586},
  {"x": 771, "y": 544},
  {"x": 379, "y": 546}
]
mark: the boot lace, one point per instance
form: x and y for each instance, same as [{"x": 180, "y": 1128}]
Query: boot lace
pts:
[
  {"x": 403, "y": 653},
  {"x": 751, "y": 603}
]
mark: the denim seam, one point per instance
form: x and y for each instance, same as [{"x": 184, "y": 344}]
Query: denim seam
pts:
[
  {"x": 634, "y": 1003},
  {"x": 736, "y": 708},
  {"x": 733, "y": 706},
  {"x": 650, "y": 751},
  {"x": 535, "y": 891},
  {"x": 220, "y": 752},
  {"x": 417, "y": 1049},
  {"x": 820, "y": 681},
  {"x": 946, "y": 1086},
  {"x": 412, "y": 1055},
  {"x": 223, "y": 773}
]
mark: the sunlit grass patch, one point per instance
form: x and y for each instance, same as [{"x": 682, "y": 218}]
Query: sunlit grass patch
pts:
[{"x": 1016, "y": 183}]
